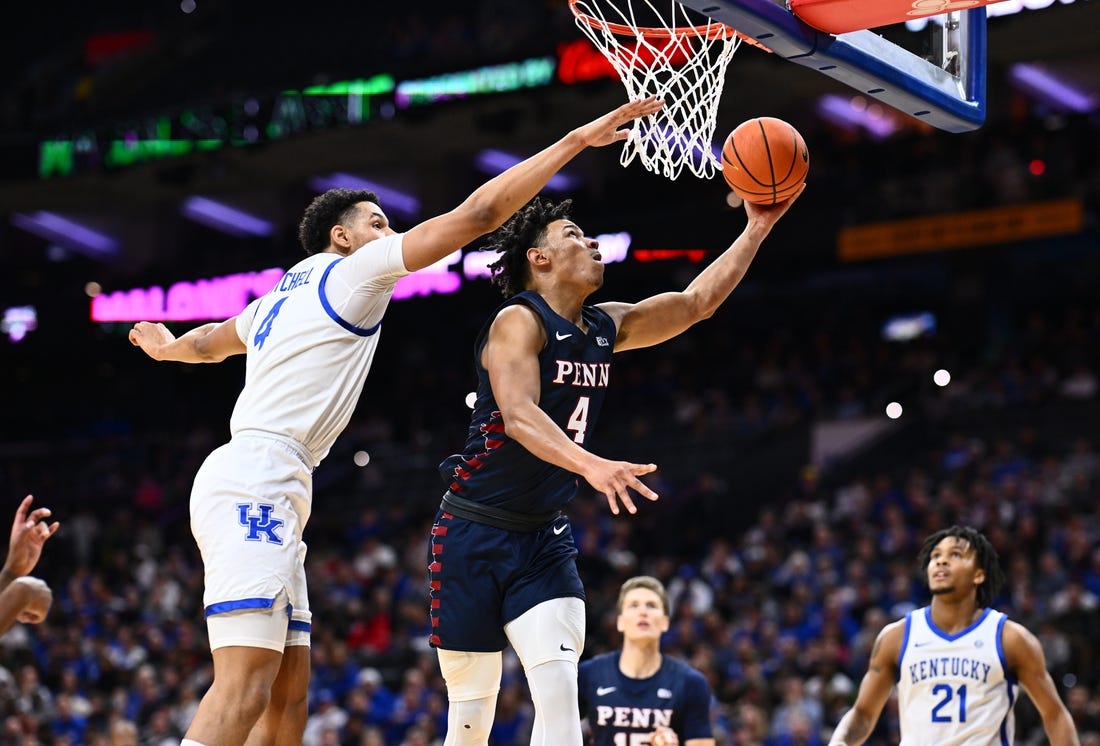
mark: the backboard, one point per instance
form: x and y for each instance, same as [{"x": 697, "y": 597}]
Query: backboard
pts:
[{"x": 946, "y": 88}]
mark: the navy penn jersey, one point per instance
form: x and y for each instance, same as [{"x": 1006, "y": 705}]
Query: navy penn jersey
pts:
[
  {"x": 575, "y": 368},
  {"x": 622, "y": 711}
]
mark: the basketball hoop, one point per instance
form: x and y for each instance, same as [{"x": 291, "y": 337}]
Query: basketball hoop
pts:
[{"x": 679, "y": 60}]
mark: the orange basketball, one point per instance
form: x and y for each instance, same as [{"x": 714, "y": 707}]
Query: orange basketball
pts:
[{"x": 765, "y": 160}]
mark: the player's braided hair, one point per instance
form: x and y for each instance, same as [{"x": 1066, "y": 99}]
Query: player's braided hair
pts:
[
  {"x": 334, "y": 207},
  {"x": 983, "y": 550},
  {"x": 523, "y": 230}
]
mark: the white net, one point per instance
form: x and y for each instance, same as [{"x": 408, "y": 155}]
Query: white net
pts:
[{"x": 667, "y": 54}]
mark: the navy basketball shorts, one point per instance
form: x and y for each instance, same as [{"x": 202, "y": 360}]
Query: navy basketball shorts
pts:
[{"x": 482, "y": 577}]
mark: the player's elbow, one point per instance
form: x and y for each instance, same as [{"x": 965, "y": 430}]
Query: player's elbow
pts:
[
  {"x": 698, "y": 308},
  {"x": 481, "y": 216}
]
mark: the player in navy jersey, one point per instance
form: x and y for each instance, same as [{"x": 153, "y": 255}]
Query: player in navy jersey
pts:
[
  {"x": 309, "y": 343},
  {"x": 502, "y": 564},
  {"x": 637, "y": 696},
  {"x": 956, "y": 662}
]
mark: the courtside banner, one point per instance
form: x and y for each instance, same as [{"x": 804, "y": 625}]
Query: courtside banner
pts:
[{"x": 961, "y": 230}]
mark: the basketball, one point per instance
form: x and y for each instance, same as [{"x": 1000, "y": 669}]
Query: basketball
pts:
[{"x": 765, "y": 160}]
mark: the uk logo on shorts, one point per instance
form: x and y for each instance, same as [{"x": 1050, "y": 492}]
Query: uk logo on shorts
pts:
[{"x": 261, "y": 526}]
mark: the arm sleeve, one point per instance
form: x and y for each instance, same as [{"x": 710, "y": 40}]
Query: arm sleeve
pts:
[
  {"x": 697, "y": 705},
  {"x": 359, "y": 287}
]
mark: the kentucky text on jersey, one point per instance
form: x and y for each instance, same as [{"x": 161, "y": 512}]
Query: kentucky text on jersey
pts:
[
  {"x": 955, "y": 666},
  {"x": 582, "y": 374},
  {"x": 633, "y": 717},
  {"x": 292, "y": 280}
]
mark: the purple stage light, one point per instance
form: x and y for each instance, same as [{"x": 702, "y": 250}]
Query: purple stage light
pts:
[
  {"x": 392, "y": 199},
  {"x": 224, "y": 218},
  {"x": 843, "y": 112},
  {"x": 68, "y": 233},
  {"x": 1051, "y": 89},
  {"x": 492, "y": 161}
]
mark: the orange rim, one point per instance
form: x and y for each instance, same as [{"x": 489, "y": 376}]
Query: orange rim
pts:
[{"x": 713, "y": 30}]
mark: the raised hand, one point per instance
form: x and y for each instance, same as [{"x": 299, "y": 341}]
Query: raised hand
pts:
[
  {"x": 615, "y": 479},
  {"x": 28, "y": 534},
  {"x": 611, "y": 126}
]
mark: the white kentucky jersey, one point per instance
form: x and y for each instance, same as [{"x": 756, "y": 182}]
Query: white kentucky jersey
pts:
[
  {"x": 310, "y": 342},
  {"x": 955, "y": 689}
]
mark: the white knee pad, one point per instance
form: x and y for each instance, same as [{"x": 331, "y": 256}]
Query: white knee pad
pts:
[
  {"x": 469, "y": 722},
  {"x": 470, "y": 676},
  {"x": 551, "y": 631}
]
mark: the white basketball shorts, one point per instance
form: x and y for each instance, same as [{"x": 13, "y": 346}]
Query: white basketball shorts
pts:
[{"x": 249, "y": 504}]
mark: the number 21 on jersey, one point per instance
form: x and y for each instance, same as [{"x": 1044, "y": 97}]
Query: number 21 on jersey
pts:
[{"x": 943, "y": 711}]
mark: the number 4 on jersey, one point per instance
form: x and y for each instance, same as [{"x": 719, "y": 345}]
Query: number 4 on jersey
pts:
[
  {"x": 265, "y": 326},
  {"x": 578, "y": 421}
]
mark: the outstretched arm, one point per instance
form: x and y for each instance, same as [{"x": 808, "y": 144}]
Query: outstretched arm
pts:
[
  {"x": 511, "y": 357},
  {"x": 1025, "y": 659},
  {"x": 857, "y": 724},
  {"x": 29, "y": 533},
  {"x": 663, "y": 316},
  {"x": 209, "y": 343},
  {"x": 25, "y": 599},
  {"x": 495, "y": 201}
]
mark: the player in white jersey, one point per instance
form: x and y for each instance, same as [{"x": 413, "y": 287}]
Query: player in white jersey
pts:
[
  {"x": 309, "y": 344},
  {"x": 957, "y": 662}
]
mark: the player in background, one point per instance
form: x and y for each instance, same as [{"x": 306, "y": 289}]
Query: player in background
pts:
[
  {"x": 637, "y": 696},
  {"x": 23, "y": 598},
  {"x": 956, "y": 662},
  {"x": 309, "y": 344},
  {"x": 502, "y": 564}
]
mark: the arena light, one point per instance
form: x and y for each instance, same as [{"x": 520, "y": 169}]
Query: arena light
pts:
[
  {"x": 198, "y": 300},
  {"x": 436, "y": 279},
  {"x": 68, "y": 233},
  {"x": 855, "y": 112},
  {"x": 511, "y": 76},
  {"x": 17, "y": 321},
  {"x": 493, "y": 161},
  {"x": 1048, "y": 87},
  {"x": 392, "y": 199},
  {"x": 224, "y": 218}
]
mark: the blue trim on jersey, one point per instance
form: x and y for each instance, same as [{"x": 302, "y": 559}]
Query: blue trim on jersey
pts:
[
  {"x": 300, "y": 626},
  {"x": 244, "y": 603},
  {"x": 1001, "y": 651},
  {"x": 904, "y": 644},
  {"x": 332, "y": 311},
  {"x": 951, "y": 638},
  {"x": 1005, "y": 741}
]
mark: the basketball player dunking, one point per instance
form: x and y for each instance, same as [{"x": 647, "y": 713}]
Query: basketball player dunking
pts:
[
  {"x": 502, "y": 558},
  {"x": 956, "y": 662}
]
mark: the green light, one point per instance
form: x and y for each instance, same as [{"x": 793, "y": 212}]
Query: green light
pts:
[
  {"x": 55, "y": 158},
  {"x": 375, "y": 86}
]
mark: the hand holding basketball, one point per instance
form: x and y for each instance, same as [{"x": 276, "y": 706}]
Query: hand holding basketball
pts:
[{"x": 765, "y": 161}]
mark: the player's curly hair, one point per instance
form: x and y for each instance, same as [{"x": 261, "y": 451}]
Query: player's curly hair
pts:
[
  {"x": 983, "y": 550},
  {"x": 525, "y": 229},
  {"x": 334, "y": 207}
]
